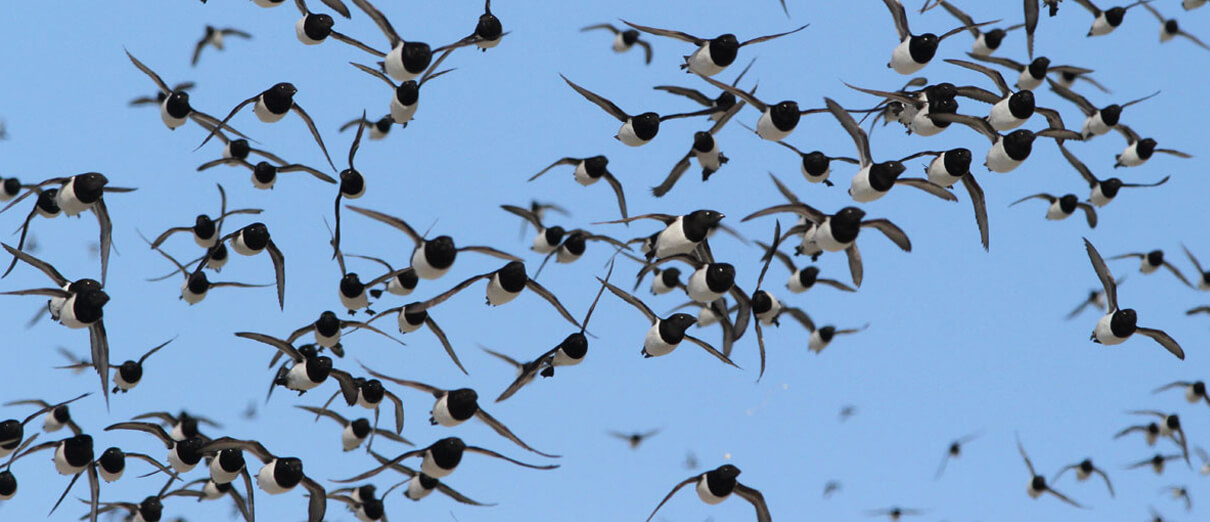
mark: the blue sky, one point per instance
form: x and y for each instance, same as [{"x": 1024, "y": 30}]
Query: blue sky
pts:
[{"x": 960, "y": 340}]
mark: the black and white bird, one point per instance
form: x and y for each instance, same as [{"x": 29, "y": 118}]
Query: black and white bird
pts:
[
  {"x": 73, "y": 456},
  {"x": 411, "y": 317},
  {"x": 306, "y": 368},
  {"x": 1119, "y": 324},
  {"x": 212, "y": 491},
  {"x": 356, "y": 431},
  {"x": 196, "y": 284},
  {"x": 894, "y": 513},
  {"x": 352, "y": 186},
  {"x": 1157, "y": 462},
  {"x": 215, "y": 37},
  {"x": 1195, "y": 391},
  {"x": 1150, "y": 431},
  {"x": 367, "y": 393},
  {"x": 74, "y": 304},
  {"x": 589, "y": 171},
  {"x": 1170, "y": 28},
  {"x": 488, "y": 30},
  {"x": 1139, "y": 150},
  {"x": 440, "y": 459},
  {"x": 1170, "y": 426},
  {"x": 805, "y": 278},
  {"x": 379, "y": 128},
  {"x": 1009, "y": 109},
  {"x": 986, "y": 42},
  {"x": 713, "y": 55},
  {"x": 314, "y": 28},
  {"x": 874, "y": 180},
  {"x": 548, "y": 238},
  {"x": 1203, "y": 279},
  {"x": 1107, "y": 20},
  {"x": 453, "y": 407},
  {"x": 634, "y": 439},
  {"x": 279, "y": 474},
  {"x": 569, "y": 352},
  {"x": 1030, "y": 76},
  {"x": 1097, "y": 121},
  {"x": 1095, "y": 299},
  {"x": 717, "y": 485},
  {"x": 837, "y": 232},
  {"x": 504, "y": 285},
  {"x": 206, "y": 230},
  {"x": 270, "y": 106},
  {"x": 406, "y": 98},
  {"x": 254, "y": 239},
  {"x": 681, "y": 234},
  {"x": 821, "y": 336},
  {"x": 705, "y": 149},
  {"x": 327, "y": 331},
  {"x": 816, "y": 166},
  {"x": 183, "y": 455},
  {"x": 636, "y": 130},
  {"x": 175, "y": 109},
  {"x": 431, "y": 258},
  {"x": 159, "y": 96},
  {"x": 180, "y": 426},
  {"x": 1103, "y": 190},
  {"x": 954, "y": 451},
  {"x": 665, "y": 333},
  {"x": 128, "y": 374},
  {"x": 1063, "y": 207},
  {"x": 1008, "y": 151},
  {"x": 949, "y": 167},
  {"x": 407, "y": 59},
  {"x": 1084, "y": 469},
  {"x": 624, "y": 40},
  {"x": 1152, "y": 261},
  {"x": 1037, "y": 483},
  {"x": 777, "y": 120},
  {"x": 420, "y": 485},
  {"x": 916, "y": 50},
  {"x": 264, "y": 173},
  {"x": 12, "y": 431}
]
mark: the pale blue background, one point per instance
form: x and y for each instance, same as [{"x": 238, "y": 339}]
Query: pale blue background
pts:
[{"x": 960, "y": 340}]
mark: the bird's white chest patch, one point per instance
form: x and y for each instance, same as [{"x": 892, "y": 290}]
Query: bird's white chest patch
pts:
[
  {"x": 218, "y": 475},
  {"x": 815, "y": 179},
  {"x": 1146, "y": 267},
  {"x": 998, "y": 159},
  {"x": 1026, "y": 81},
  {"x": 188, "y": 296},
  {"x": 394, "y": 65},
  {"x": 582, "y": 176},
  {"x": 496, "y": 294},
  {"x": 822, "y": 238},
  {"x": 1001, "y": 117},
  {"x": 67, "y": 201},
  {"x": 422, "y": 267},
  {"x": 702, "y": 63},
  {"x": 815, "y": 342},
  {"x": 170, "y": 121},
  {"x": 1130, "y": 156},
  {"x": 619, "y": 44},
  {"x": 672, "y": 240},
  {"x": 348, "y": 440},
  {"x": 654, "y": 345},
  {"x": 698, "y": 289},
  {"x": 922, "y": 125},
  {"x": 1100, "y": 26},
  {"x": 297, "y": 379},
  {"x": 540, "y": 245},
  {"x": 402, "y": 113},
  {"x": 1055, "y": 212},
  {"x": 429, "y": 467},
  {"x": 937, "y": 174},
  {"x": 264, "y": 479},
  {"x": 703, "y": 492},
  {"x": 706, "y": 317},
  {"x": 860, "y": 188},
  {"x": 767, "y": 130},
  {"x": 1098, "y": 198},
  {"x": 67, "y": 314},
  {"x": 264, "y": 114},
  {"x": 416, "y": 490},
  {"x": 1094, "y": 126},
  {"x": 627, "y": 135},
  {"x": 405, "y": 326},
  {"x": 795, "y": 285},
  {"x": 1104, "y": 334},
  {"x": 61, "y": 464},
  {"x": 441, "y": 413},
  {"x": 110, "y": 477},
  {"x": 325, "y": 340},
  {"x": 302, "y": 34},
  {"x": 980, "y": 48},
  {"x": 180, "y": 466},
  {"x": 242, "y": 248},
  {"x": 121, "y": 383},
  {"x": 356, "y": 302}
]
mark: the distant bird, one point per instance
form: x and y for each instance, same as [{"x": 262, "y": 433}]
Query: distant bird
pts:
[
  {"x": 440, "y": 459},
  {"x": 954, "y": 451},
  {"x": 1108, "y": 20},
  {"x": 1205, "y": 458},
  {"x": 713, "y": 55},
  {"x": 406, "y": 98},
  {"x": 431, "y": 258},
  {"x": 1156, "y": 462},
  {"x": 1119, "y": 324},
  {"x": 1085, "y": 469},
  {"x": 681, "y": 234},
  {"x": 504, "y": 285},
  {"x": 716, "y": 485},
  {"x": 1138, "y": 151},
  {"x": 589, "y": 171},
  {"x": 624, "y": 40},
  {"x": 1098, "y": 121},
  {"x": 252, "y": 240},
  {"x": 666, "y": 333},
  {"x": 12, "y": 431},
  {"x": 806, "y": 278},
  {"x": 1150, "y": 431},
  {"x": 327, "y": 331},
  {"x": 411, "y": 317},
  {"x": 1203, "y": 282},
  {"x": 129, "y": 373},
  {"x": 636, "y": 130},
  {"x": 174, "y": 103},
  {"x": 1037, "y": 484},
  {"x": 1030, "y": 76},
  {"x": 1103, "y": 190},
  {"x": 181, "y": 426},
  {"x": 366, "y": 393},
  {"x": 831, "y": 487},
  {"x": 1063, "y": 207},
  {"x": 279, "y": 474},
  {"x": 313, "y": 29},
  {"x": 816, "y": 166},
  {"x": 846, "y": 412},
  {"x": 705, "y": 149},
  {"x": 419, "y": 485},
  {"x": 264, "y": 174},
  {"x": 214, "y": 37},
  {"x": 985, "y": 42},
  {"x": 1170, "y": 28},
  {"x": 1180, "y": 493},
  {"x": 777, "y": 120},
  {"x": 894, "y": 513},
  {"x": 407, "y": 59},
  {"x": 916, "y": 51},
  {"x": 270, "y": 106},
  {"x": 721, "y": 103},
  {"x": 356, "y": 431},
  {"x": 1154, "y": 260},
  {"x": 488, "y": 30},
  {"x": 378, "y": 128},
  {"x": 10, "y": 187},
  {"x": 196, "y": 284},
  {"x": 1170, "y": 426},
  {"x": 1010, "y": 150},
  {"x": 636, "y": 438},
  {"x": 74, "y": 304},
  {"x": 1095, "y": 299},
  {"x": 206, "y": 230},
  {"x": 949, "y": 167},
  {"x": 822, "y": 336},
  {"x": 305, "y": 370}
]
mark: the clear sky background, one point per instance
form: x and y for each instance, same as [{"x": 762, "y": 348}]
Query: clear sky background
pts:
[{"x": 960, "y": 340}]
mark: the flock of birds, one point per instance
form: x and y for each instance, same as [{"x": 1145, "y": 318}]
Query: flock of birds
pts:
[{"x": 674, "y": 250}]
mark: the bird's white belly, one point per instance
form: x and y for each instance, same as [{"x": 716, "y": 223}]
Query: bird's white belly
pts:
[
  {"x": 672, "y": 241},
  {"x": 394, "y": 65},
  {"x": 815, "y": 179},
  {"x": 980, "y": 48},
  {"x": 1098, "y": 198},
  {"x": 327, "y": 341},
  {"x": 402, "y": 113},
  {"x": 1146, "y": 267},
  {"x": 701, "y": 63},
  {"x": 901, "y": 59},
  {"x": 860, "y": 188},
  {"x": 61, "y": 464},
  {"x": 264, "y": 114},
  {"x": 67, "y": 201},
  {"x": 394, "y": 288},
  {"x": 356, "y": 302},
  {"x": 698, "y": 289},
  {"x": 938, "y": 175},
  {"x": 422, "y": 267},
  {"x": 302, "y": 34},
  {"x": 496, "y": 294},
  {"x": 241, "y": 248},
  {"x": 297, "y": 378},
  {"x": 210, "y": 491},
  {"x": 220, "y": 476},
  {"x": 767, "y": 130},
  {"x": 67, "y": 314},
  {"x": 582, "y": 176},
  {"x": 565, "y": 256},
  {"x": 922, "y": 125},
  {"x": 430, "y": 468},
  {"x": 110, "y": 477},
  {"x": 405, "y": 326},
  {"x": 168, "y": 119},
  {"x": 706, "y": 316},
  {"x": 998, "y": 159},
  {"x": 441, "y": 414},
  {"x": 1130, "y": 156},
  {"x": 121, "y": 383},
  {"x": 416, "y": 491},
  {"x": 822, "y": 237},
  {"x": 769, "y": 315},
  {"x": 562, "y": 359},
  {"x": 1055, "y": 212},
  {"x": 703, "y": 492},
  {"x": 177, "y": 464},
  {"x": 256, "y": 183},
  {"x": 349, "y": 441},
  {"x": 1026, "y": 81},
  {"x": 1094, "y": 126},
  {"x": 1001, "y": 118},
  {"x": 1104, "y": 334},
  {"x": 654, "y": 345},
  {"x": 794, "y": 284},
  {"x": 626, "y": 135},
  {"x": 540, "y": 245},
  {"x": 1033, "y": 493},
  {"x": 188, "y": 296},
  {"x": 709, "y": 160},
  {"x": 264, "y": 479},
  {"x": 619, "y": 44},
  {"x": 1100, "y": 26},
  {"x": 815, "y": 342}
]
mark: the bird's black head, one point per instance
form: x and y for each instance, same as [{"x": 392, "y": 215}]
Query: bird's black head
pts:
[
  {"x": 46, "y": 201},
  {"x": 785, "y": 115},
  {"x": 761, "y": 302},
  {"x": 724, "y": 49},
  {"x": 283, "y": 91},
  {"x": 447, "y": 452},
  {"x": 462, "y": 403},
  {"x": 11, "y": 186},
  {"x": 319, "y": 368},
  {"x": 373, "y": 391},
  {"x": 957, "y": 161},
  {"x": 1068, "y": 202},
  {"x": 440, "y": 252},
  {"x": 8, "y": 483},
  {"x": 1171, "y": 26},
  {"x": 351, "y": 182},
  {"x": 815, "y": 163},
  {"x": 1019, "y": 144},
  {"x": 646, "y": 125},
  {"x": 372, "y": 508},
  {"x": 1110, "y": 187},
  {"x": 575, "y": 345},
  {"x": 231, "y": 459},
  {"x": 595, "y": 166},
  {"x": 1199, "y": 389},
  {"x": 218, "y": 253},
  {"x": 721, "y": 480},
  {"x": 1114, "y": 15},
  {"x": 177, "y": 104},
  {"x": 92, "y": 300},
  {"x": 993, "y": 38},
  {"x": 328, "y": 323},
  {"x": 197, "y": 283},
  {"x": 670, "y": 276},
  {"x": 630, "y": 36},
  {"x": 151, "y": 509},
  {"x": 416, "y": 56},
  {"x": 204, "y": 227},
  {"x": 923, "y": 47},
  {"x": 1111, "y": 114},
  {"x": 939, "y": 92},
  {"x": 256, "y": 235},
  {"x": 61, "y": 414},
  {"x": 883, "y": 175},
  {"x": 408, "y": 279},
  {"x": 89, "y": 187},
  {"x": 1155, "y": 257},
  {"x": 407, "y": 93},
  {"x": 264, "y": 172},
  {"x": 1124, "y": 322},
  {"x": 673, "y": 328},
  {"x": 351, "y": 285},
  {"x": 720, "y": 277},
  {"x": 1086, "y": 466},
  {"x": 512, "y": 276},
  {"x": 113, "y": 460},
  {"x": 489, "y": 27},
  {"x": 77, "y": 450},
  {"x": 1173, "y": 422},
  {"x": 414, "y": 314},
  {"x": 239, "y": 148},
  {"x": 288, "y": 472},
  {"x": 827, "y": 333},
  {"x": 318, "y": 26},
  {"x": 308, "y": 351},
  {"x": 849, "y": 215},
  {"x": 703, "y": 141},
  {"x": 384, "y": 124},
  {"x": 700, "y": 222},
  {"x": 955, "y": 449},
  {"x": 554, "y": 234},
  {"x": 1038, "y": 67},
  {"x": 361, "y": 428},
  {"x": 1021, "y": 104},
  {"x": 1145, "y": 147},
  {"x": 190, "y": 449},
  {"x": 724, "y": 101},
  {"x": 1038, "y": 483},
  {"x": 11, "y": 434},
  {"x": 808, "y": 275},
  {"x": 131, "y": 371}
]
